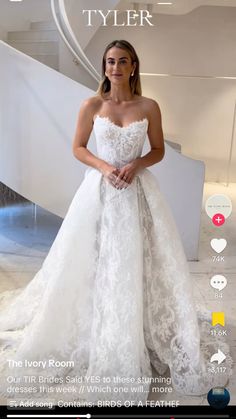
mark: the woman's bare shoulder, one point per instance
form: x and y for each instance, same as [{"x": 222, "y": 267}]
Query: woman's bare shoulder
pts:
[
  {"x": 148, "y": 102},
  {"x": 92, "y": 103},
  {"x": 89, "y": 107},
  {"x": 150, "y": 107}
]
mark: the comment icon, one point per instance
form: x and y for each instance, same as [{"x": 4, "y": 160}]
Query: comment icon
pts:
[{"x": 218, "y": 282}]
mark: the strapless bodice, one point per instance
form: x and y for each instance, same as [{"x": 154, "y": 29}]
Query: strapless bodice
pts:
[{"x": 119, "y": 145}]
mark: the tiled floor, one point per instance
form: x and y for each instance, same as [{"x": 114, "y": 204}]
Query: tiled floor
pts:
[{"x": 27, "y": 232}]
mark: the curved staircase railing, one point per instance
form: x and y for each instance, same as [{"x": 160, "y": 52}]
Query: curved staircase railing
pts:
[{"x": 67, "y": 34}]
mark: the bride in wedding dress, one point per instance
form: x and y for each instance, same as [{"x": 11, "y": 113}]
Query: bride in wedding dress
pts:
[{"x": 113, "y": 297}]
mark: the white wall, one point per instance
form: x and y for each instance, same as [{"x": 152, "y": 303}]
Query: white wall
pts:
[
  {"x": 201, "y": 42},
  {"x": 197, "y": 113},
  {"x": 3, "y": 33},
  {"x": 16, "y": 16}
]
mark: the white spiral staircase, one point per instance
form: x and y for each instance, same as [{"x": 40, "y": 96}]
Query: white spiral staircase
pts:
[
  {"x": 36, "y": 159},
  {"x": 39, "y": 42}
]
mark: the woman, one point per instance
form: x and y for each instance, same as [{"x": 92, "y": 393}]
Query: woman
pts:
[
  {"x": 112, "y": 297},
  {"x": 119, "y": 100}
]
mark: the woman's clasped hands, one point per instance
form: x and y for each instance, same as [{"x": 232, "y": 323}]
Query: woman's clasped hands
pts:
[{"x": 122, "y": 177}]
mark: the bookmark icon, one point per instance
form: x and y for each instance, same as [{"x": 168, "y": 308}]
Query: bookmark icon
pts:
[{"x": 218, "y": 318}]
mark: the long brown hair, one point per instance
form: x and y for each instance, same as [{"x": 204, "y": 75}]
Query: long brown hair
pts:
[{"x": 135, "y": 83}]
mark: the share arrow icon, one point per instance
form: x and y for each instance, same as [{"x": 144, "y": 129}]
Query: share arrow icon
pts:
[{"x": 218, "y": 357}]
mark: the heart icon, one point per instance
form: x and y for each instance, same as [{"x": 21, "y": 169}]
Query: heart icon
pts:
[{"x": 218, "y": 245}]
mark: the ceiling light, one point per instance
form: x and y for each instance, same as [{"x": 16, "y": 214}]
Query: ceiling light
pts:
[
  {"x": 168, "y": 3},
  {"x": 15, "y": 0}
]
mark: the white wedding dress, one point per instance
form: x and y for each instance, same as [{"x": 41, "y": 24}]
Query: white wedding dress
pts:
[{"x": 113, "y": 294}]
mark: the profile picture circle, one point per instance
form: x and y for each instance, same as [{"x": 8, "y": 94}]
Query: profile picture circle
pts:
[{"x": 218, "y": 397}]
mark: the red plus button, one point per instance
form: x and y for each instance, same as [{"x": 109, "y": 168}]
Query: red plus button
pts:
[{"x": 218, "y": 220}]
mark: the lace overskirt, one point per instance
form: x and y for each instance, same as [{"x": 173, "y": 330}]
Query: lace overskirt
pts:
[{"x": 112, "y": 299}]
